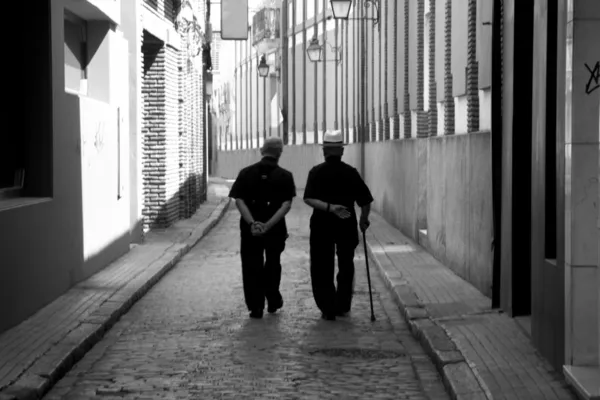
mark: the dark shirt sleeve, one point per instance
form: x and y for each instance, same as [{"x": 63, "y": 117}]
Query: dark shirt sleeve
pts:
[
  {"x": 362, "y": 194},
  {"x": 239, "y": 189},
  {"x": 290, "y": 188},
  {"x": 310, "y": 191}
]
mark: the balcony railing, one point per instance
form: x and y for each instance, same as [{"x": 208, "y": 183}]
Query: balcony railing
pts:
[{"x": 266, "y": 28}]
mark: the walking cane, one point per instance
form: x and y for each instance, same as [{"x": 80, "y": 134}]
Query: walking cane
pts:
[{"x": 368, "y": 274}]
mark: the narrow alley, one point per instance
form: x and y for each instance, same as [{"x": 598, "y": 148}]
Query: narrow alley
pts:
[
  {"x": 190, "y": 337},
  {"x": 474, "y": 125}
]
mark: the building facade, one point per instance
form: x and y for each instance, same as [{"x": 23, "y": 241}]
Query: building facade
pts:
[
  {"x": 427, "y": 100},
  {"x": 474, "y": 122},
  {"x": 547, "y": 156},
  {"x": 86, "y": 173}
]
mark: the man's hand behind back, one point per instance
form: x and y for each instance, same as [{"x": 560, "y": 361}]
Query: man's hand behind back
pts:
[
  {"x": 258, "y": 229},
  {"x": 340, "y": 211}
]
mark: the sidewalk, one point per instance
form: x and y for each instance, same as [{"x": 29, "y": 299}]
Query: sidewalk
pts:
[
  {"x": 481, "y": 353},
  {"x": 37, "y": 353}
]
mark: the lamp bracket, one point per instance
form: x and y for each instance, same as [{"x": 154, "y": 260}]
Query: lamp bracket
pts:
[{"x": 338, "y": 50}]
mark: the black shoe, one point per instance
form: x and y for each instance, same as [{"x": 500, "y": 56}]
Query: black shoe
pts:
[
  {"x": 273, "y": 308},
  {"x": 341, "y": 313},
  {"x": 256, "y": 314},
  {"x": 328, "y": 317}
]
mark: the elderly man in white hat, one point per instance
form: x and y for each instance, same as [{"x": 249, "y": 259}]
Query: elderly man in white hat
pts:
[
  {"x": 332, "y": 189},
  {"x": 263, "y": 193}
]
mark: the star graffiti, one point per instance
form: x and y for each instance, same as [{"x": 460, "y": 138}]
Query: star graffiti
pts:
[{"x": 594, "y": 81}]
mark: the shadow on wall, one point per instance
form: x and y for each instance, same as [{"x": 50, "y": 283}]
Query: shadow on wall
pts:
[
  {"x": 187, "y": 200},
  {"x": 42, "y": 244},
  {"x": 182, "y": 205},
  {"x": 30, "y": 275}
]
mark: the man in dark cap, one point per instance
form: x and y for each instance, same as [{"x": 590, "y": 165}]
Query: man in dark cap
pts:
[
  {"x": 332, "y": 189},
  {"x": 263, "y": 193}
]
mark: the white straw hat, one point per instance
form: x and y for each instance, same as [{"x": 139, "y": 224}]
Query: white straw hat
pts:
[{"x": 333, "y": 139}]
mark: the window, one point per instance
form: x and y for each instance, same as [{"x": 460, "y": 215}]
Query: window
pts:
[
  {"x": 76, "y": 54},
  {"x": 299, "y": 12},
  {"x": 215, "y": 16},
  {"x": 426, "y": 57},
  {"x": 152, "y": 3},
  {"x": 26, "y": 142},
  {"x": 216, "y": 52},
  {"x": 310, "y": 9},
  {"x": 172, "y": 8}
]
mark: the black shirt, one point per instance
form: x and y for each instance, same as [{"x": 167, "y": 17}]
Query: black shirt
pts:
[
  {"x": 336, "y": 182},
  {"x": 264, "y": 187}
]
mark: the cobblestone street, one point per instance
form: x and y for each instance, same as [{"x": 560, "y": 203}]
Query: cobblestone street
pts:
[{"x": 190, "y": 337}]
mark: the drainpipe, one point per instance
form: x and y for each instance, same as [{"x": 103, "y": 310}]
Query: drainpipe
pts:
[
  {"x": 363, "y": 89},
  {"x": 284, "y": 69}
]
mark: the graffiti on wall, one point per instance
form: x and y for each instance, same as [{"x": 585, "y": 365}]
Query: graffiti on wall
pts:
[
  {"x": 594, "y": 81},
  {"x": 99, "y": 136}
]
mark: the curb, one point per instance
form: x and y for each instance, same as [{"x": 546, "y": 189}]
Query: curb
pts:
[
  {"x": 41, "y": 376},
  {"x": 459, "y": 378}
]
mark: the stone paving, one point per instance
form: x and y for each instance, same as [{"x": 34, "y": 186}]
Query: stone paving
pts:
[
  {"x": 190, "y": 337},
  {"x": 37, "y": 352},
  {"x": 449, "y": 314}
]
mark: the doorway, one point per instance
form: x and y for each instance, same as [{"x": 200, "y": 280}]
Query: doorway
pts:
[{"x": 516, "y": 171}]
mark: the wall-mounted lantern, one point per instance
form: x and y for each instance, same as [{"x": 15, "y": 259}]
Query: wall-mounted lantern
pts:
[
  {"x": 315, "y": 52},
  {"x": 263, "y": 67},
  {"x": 341, "y": 8}
]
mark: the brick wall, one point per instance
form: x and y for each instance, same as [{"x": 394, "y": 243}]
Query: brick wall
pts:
[
  {"x": 386, "y": 69},
  {"x": 173, "y": 131},
  {"x": 171, "y": 134},
  {"x": 406, "y": 108},
  {"x": 472, "y": 71},
  {"x": 433, "y": 114},
  {"x": 448, "y": 87},
  {"x": 153, "y": 131},
  {"x": 422, "y": 120},
  {"x": 396, "y": 43}
]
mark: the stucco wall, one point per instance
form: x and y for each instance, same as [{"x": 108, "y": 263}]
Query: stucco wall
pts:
[
  {"x": 391, "y": 173},
  {"x": 459, "y": 205},
  {"x": 104, "y": 179},
  {"x": 456, "y": 173},
  {"x": 50, "y": 246}
]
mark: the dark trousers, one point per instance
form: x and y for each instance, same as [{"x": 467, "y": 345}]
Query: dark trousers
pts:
[
  {"x": 323, "y": 249},
  {"x": 261, "y": 270}
]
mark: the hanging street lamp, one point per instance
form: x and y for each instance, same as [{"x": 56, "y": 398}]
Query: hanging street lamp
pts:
[
  {"x": 341, "y": 9},
  {"x": 263, "y": 67}
]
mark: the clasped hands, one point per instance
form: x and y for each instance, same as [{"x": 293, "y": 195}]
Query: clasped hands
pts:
[
  {"x": 343, "y": 213},
  {"x": 258, "y": 228}
]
